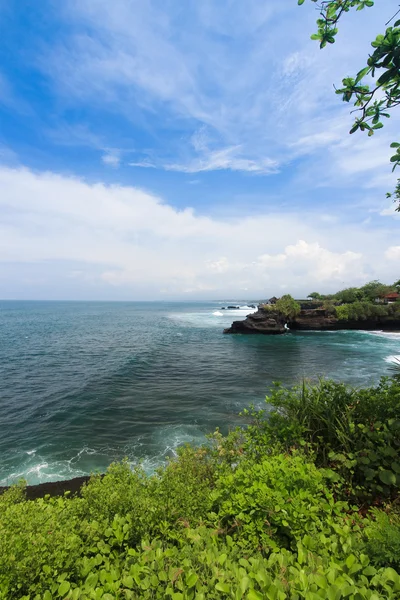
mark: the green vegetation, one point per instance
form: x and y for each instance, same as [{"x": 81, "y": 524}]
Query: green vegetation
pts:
[
  {"x": 288, "y": 306},
  {"x": 279, "y": 509},
  {"x": 359, "y": 304},
  {"x": 382, "y": 66}
]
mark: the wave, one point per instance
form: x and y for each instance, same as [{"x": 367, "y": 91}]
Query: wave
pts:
[
  {"x": 391, "y": 335},
  {"x": 37, "y": 469},
  {"x": 393, "y": 359},
  {"x": 162, "y": 445}
]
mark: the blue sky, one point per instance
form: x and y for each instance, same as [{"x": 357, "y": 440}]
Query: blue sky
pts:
[{"x": 186, "y": 150}]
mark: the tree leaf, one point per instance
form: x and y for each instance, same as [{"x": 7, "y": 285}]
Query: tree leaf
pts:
[
  {"x": 64, "y": 588},
  {"x": 387, "y": 477}
]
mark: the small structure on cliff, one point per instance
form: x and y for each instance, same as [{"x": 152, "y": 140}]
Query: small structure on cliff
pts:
[{"x": 391, "y": 298}]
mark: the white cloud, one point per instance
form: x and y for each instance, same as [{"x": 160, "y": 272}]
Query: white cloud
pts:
[
  {"x": 391, "y": 211},
  {"x": 226, "y": 159},
  {"x": 111, "y": 158},
  {"x": 144, "y": 164},
  {"x": 317, "y": 262},
  {"x": 79, "y": 238},
  {"x": 393, "y": 253},
  {"x": 216, "y": 65}
]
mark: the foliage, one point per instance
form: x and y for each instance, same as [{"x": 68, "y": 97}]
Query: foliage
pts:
[
  {"x": 383, "y": 67},
  {"x": 272, "y": 503},
  {"x": 288, "y": 306},
  {"x": 349, "y": 295},
  {"x": 329, "y": 306},
  {"x": 359, "y": 304},
  {"x": 315, "y": 296},
  {"x": 355, "y": 433},
  {"x": 382, "y": 535},
  {"x": 270, "y": 511},
  {"x": 375, "y": 289},
  {"x": 360, "y": 311}
]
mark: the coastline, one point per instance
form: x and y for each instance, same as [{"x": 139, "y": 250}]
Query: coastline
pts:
[
  {"x": 53, "y": 488},
  {"x": 273, "y": 322}
]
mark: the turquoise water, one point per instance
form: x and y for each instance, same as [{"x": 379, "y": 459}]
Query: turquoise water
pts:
[{"x": 86, "y": 383}]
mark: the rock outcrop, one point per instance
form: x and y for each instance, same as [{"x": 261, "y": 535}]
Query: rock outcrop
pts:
[
  {"x": 259, "y": 322},
  {"x": 53, "y": 488},
  {"x": 271, "y": 322}
]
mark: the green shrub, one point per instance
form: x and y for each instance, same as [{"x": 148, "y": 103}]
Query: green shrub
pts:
[
  {"x": 383, "y": 539},
  {"x": 273, "y": 503},
  {"x": 361, "y": 311},
  {"x": 355, "y": 432},
  {"x": 256, "y": 514}
]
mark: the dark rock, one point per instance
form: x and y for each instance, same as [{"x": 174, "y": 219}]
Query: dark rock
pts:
[
  {"x": 271, "y": 322},
  {"x": 53, "y": 488},
  {"x": 260, "y": 322},
  {"x": 233, "y": 307}
]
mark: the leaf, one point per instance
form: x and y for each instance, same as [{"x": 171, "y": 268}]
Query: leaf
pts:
[
  {"x": 64, "y": 588},
  {"x": 192, "y": 580},
  {"x": 387, "y": 477},
  {"x": 350, "y": 560},
  {"x": 244, "y": 584},
  {"x": 300, "y": 2},
  {"x": 254, "y": 595},
  {"x": 387, "y": 76},
  {"x": 362, "y": 74},
  {"x": 128, "y": 582},
  {"x": 223, "y": 587}
]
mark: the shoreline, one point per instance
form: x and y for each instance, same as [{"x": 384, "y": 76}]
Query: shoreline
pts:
[{"x": 53, "y": 488}]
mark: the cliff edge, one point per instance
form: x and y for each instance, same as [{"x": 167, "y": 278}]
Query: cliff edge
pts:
[{"x": 271, "y": 322}]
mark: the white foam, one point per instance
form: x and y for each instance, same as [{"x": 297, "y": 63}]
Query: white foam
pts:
[
  {"x": 217, "y": 313},
  {"x": 393, "y": 359},
  {"x": 391, "y": 335}
]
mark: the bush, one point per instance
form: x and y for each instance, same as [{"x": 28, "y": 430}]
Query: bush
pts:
[
  {"x": 288, "y": 307},
  {"x": 383, "y": 539},
  {"x": 260, "y": 513},
  {"x": 360, "y": 311},
  {"x": 274, "y": 502},
  {"x": 355, "y": 432}
]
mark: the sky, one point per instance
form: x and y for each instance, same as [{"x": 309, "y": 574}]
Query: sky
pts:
[{"x": 169, "y": 150}]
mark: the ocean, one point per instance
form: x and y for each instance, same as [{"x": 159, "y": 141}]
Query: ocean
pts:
[{"x": 83, "y": 384}]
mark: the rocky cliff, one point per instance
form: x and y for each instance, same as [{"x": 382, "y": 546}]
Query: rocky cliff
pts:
[
  {"x": 271, "y": 322},
  {"x": 259, "y": 322}
]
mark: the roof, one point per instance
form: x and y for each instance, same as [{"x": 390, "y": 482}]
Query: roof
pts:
[{"x": 392, "y": 295}]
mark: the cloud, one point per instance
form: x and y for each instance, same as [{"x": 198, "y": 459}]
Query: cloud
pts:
[
  {"x": 393, "y": 253},
  {"x": 171, "y": 71},
  {"x": 226, "y": 159},
  {"x": 390, "y": 211},
  {"x": 112, "y": 158},
  {"x": 325, "y": 265},
  {"x": 76, "y": 239},
  {"x": 144, "y": 164}
]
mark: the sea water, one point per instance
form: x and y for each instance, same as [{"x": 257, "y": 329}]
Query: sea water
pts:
[{"x": 83, "y": 384}]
